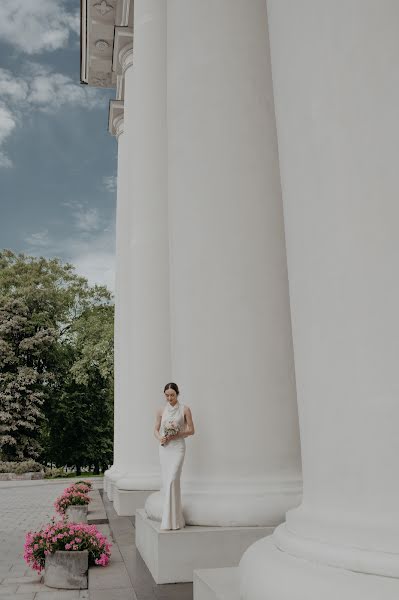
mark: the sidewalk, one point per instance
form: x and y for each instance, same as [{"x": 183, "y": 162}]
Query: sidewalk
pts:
[
  {"x": 26, "y": 505},
  {"x": 141, "y": 579}
]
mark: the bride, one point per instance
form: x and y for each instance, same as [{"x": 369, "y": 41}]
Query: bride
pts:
[{"x": 173, "y": 424}]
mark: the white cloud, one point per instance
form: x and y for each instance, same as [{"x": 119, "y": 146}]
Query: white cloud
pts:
[
  {"x": 50, "y": 91},
  {"x": 109, "y": 182},
  {"x": 38, "y": 88},
  {"x": 98, "y": 266},
  {"x": 87, "y": 219},
  {"x": 35, "y": 26},
  {"x": 8, "y": 123},
  {"x": 93, "y": 256},
  {"x": 38, "y": 239},
  {"x": 12, "y": 88}
]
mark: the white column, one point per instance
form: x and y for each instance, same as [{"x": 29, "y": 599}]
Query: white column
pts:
[
  {"x": 335, "y": 70},
  {"x": 148, "y": 257},
  {"x": 231, "y": 333},
  {"x": 121, "y": 339}
]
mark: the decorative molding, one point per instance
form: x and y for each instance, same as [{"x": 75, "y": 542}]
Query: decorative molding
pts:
[
  {"x": 116, "y": 118},
  {"x": 123, "y": 41},
  {"x": 100, "y": 79},
  {"x": 124, "y": 13},
  {"x": 120, "y": 87},
  {"x": 119, "y": 125},
  {"x": 102, "y": 45},
  {"x": 126, "y": 58},
  {"x": 103, "y": 8}
]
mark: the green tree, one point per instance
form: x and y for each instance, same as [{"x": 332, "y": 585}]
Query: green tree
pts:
[
  {"x": 24, "y": 349},
  {"x": 44, "y": 309},
  {"x": 80, "y": 416}
]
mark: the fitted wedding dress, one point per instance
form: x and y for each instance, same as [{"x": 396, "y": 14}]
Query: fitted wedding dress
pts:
[{"x": 171, "y": 457}]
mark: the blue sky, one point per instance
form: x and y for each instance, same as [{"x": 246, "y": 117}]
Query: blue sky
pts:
[{"x": 57, "y": 159}]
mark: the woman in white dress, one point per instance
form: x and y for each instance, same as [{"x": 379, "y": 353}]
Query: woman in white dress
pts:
[{"x": 173, "y": 424}]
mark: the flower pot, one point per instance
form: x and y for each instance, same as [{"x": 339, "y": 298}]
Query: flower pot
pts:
[
  {"x": 77, "y": 513},
  {"x": 67, "y": 570}
]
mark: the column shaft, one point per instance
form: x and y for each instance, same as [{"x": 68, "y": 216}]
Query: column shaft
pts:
[
  {"x": 231, "y": 331},
  {"x": 337, "y": 98},
  {"x": 148, "y": 255}
]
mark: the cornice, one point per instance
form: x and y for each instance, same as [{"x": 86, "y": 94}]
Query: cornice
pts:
[{"x": 100, "y": 22}]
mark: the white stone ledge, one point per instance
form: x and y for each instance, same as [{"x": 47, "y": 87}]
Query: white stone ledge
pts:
[
  {"x": 172, "y": 556},
  {"x": 126, "y": 502}
]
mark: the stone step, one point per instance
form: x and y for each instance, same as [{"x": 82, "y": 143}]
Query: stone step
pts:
[
  {"x": 172, "y": 556},
  {"x": 96, "y": 514}
]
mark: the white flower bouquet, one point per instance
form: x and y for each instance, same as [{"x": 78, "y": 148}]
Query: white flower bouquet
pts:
[{"x": 170, "y": 428}]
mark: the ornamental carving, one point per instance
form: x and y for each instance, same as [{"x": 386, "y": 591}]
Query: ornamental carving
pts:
[
  {"x": 101, "y": 80},
  {"x": 101, "y": 45},
  {"x": 103, "y": 8}
]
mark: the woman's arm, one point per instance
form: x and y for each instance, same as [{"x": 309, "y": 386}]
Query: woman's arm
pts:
[
  {"x": 158, "y": 427},
  {"x": 189, "y": 429}
]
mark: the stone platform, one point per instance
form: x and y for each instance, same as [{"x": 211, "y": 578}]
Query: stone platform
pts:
[
  {"x": 172, "y": 556},
  {"x": 126, "y": 502}
]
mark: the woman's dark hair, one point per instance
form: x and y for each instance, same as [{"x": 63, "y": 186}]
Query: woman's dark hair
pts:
[{"x": 171, "y": 386}]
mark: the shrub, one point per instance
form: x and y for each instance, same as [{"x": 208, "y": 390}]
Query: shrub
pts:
[
  {"x": 70, "y": 497},
  {"x": 19, "y": 468},
  {"x": 62, "y": 535},
  {"x": 53, "y": 472}
]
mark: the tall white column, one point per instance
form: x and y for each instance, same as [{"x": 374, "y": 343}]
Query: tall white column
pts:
[
  {"x": 335, "y": 71},
  {"x": 148, "y": 257},
  {"x": 231, "y": 333},
  {"x": 121, "y": 339}
]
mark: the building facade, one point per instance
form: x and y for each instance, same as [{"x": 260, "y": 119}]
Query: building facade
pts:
[{"x": 256, "y": 266}]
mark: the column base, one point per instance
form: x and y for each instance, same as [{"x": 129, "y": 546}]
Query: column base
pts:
[
  {"x": 234, "y": 504},
  {"x": 172, "y": 556},
  {"x": 110, "y": 479},
  {"x": 267, "y": 572},
  {"x": 217, "y": 584},
  {"x": 126, "y": 502}
]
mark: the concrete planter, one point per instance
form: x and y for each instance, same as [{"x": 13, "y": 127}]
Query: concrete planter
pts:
[
  {"x": 77, "y": 514},
  {"x": 67, "y": 570},
  {"x": 22, "y": 476}
]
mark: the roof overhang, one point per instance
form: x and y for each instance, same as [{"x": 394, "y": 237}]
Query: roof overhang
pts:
[{"x": 99, "y": 21}]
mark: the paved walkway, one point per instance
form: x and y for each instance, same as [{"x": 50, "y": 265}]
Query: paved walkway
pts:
[{"x": 27, "y": 505}]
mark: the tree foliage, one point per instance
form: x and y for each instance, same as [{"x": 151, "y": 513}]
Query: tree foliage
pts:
[{"x": 56, "y": 363}]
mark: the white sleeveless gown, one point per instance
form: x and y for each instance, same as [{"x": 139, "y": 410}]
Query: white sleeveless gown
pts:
[{"x": 171, "y": 458}]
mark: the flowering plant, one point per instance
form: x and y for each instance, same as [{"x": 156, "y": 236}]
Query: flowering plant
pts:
[
  {"x": 71, "y": 496},
  {"x": 61, "y": 535},
  {"x": 81, "y": 486},
  {"x": 170, "y": 428}
]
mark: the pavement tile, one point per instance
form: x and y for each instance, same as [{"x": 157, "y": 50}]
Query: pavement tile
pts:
[
  {"x": 16, "y": 596},
  {"x": 113, "y": 576},
  {"x": 32, "y": 587},
  {"x": 23, "y": 579},
  {"x": 7, "y": 589},
  {"x": 121, "y": 594},
  {"x": 58, "y": 595}
]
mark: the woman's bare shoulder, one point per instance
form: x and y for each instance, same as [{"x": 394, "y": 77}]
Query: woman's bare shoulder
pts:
[
  {"x": 187, "y": 410},
  {"x": 160, "y": 411}
]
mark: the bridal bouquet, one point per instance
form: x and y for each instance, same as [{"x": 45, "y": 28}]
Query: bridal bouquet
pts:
[{"x": 170, "y": 428}]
